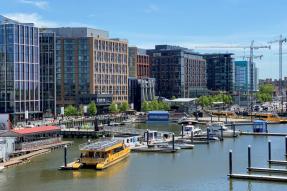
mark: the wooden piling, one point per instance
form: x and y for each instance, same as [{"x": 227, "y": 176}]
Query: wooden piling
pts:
[
  {"x": 249, "y": 156},
  {"x": 269, "y": 150},
  {"x": 230, "y": 162},
  {"x": 65, "y": 155}
]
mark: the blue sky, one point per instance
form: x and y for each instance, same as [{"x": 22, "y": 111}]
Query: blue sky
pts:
[{"x": 187, "y": 23}]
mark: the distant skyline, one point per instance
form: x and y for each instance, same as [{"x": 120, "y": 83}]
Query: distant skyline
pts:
[{"x": 186, "y": 23}]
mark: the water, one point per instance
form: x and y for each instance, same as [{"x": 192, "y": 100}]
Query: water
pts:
[{"x": 204, "y": 168}]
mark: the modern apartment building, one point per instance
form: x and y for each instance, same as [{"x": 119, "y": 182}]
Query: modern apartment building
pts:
[
  {"x": 19, "y": 69},
  {"x": 89, "y": 63},
  {"x": 141, "y": 90},
  {"x": 178, "y": 71},
  {"x": 48, "y": 73},
  {"x": 220, "y": 72},
  {"x": 139, "y": 63}
]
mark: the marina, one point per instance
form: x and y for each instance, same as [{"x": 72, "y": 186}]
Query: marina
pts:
[{"x": 187, "y": 164}]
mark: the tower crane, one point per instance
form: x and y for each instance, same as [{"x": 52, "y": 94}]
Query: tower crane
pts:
[
  {"x": 280, "y": 41},
  {"x": 254, "y": 57},
  {"x": 252, "y": 47}
]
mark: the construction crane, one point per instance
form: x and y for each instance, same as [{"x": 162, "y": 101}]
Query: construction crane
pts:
[
  {"x": 280, "y": 41},
  {"x": 252, "y": 47},
  {"x": 254, "y": 57}
]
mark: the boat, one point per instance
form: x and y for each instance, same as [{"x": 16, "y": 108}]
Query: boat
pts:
[
  {"x": 100, "y": 155},
  {"x": 128, "y": 121},
  {"x": 269, "y": 117},
  {"x": 190, "y": 129},
  {"x": 155, "y": 137},
  {"x": 130, "y": 140},
  {"x": 1, "y": 168},
  {"x": 158, "y": 148},
  {"x": 186, "y": 120},
  {"x": 184, "y": 145},
  {"x": 217, "y": 127}
]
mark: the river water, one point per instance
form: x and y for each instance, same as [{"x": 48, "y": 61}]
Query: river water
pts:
[{"x": 204, "y": 168}]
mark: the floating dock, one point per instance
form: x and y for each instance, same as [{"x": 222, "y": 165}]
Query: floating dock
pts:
[
  {"x": 264, "y": 134},
  {"x": 258, "y": 177},
  {"x": 267, "y": 170}
]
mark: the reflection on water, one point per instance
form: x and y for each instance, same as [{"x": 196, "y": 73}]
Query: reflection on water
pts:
[
  {"x": 107, "y": 173},
  {"x": 204, "y": 168}
]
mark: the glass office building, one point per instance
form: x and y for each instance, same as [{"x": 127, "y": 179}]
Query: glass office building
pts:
[
  {"x": 19, "y": 68},
  {"x": 48, "y": 73}
]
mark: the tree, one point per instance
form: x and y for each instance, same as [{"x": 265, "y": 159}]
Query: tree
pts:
[
  {"x": 92, "y": 109},
  {"x": 154, "y": 105},
  {"x": 71, "y": 111},
  {"x": 145, "y": 106},
  {"x": 265, "y": 93},
  {"x": 113, "y": 108},
  {"x": 81, "y": 110},
  {"x": 173, "y": 97},
  {"x": 124, "y": 106},
  {"x": 164, "y": 106}
]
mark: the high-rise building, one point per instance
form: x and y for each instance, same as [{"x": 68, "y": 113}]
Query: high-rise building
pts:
[
  {"x": 220, "y": 72},
  {"x": 89, "y": 65},
  {"x": 19, "y": 69},
  {"x": 242, "y": 76},
  {"x": 48, "y": 73},
  {"x": 139, "y": 63},
  {"x": 178, "y": 71}
]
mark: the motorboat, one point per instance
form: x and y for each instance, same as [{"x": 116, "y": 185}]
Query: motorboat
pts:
[
  {"x": 157, "y": 137},
  {"x": 189, "y": 130},
  {"x": 186, "y": 120},
  {"x": 216, "y": 128},
  {"x": 128, "y": 121}
]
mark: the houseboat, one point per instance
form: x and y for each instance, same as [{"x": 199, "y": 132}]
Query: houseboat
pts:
[{"x": 100, "y": 155}]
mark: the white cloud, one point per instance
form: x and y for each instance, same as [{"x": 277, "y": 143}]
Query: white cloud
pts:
[
  {"x": 39, "y": 4},
  {"x": 151, "y": 8},
  {"x": 31, "y": 18}
]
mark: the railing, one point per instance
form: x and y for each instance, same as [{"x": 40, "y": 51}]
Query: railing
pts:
[{"x": 36, "y": 144}]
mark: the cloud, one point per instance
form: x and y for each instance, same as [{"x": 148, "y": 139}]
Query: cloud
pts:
[
  {"x": 31, "y": 18},
  {"x": 151, "y": 9},
  {"x": 39, "y": 4}
]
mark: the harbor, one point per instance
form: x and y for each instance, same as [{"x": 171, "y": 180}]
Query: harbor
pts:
[{"x": 206, "y": 163}]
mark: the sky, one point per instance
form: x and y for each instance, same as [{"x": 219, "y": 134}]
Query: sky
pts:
[{"x": 187, "y": 23}]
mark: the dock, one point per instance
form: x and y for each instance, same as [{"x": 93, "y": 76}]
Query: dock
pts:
[
  {"x": 277, "y": 162},
  {"x": 21, "y": 157},
  {"x": 258, "y": 177},
  {"x": 267, "y": 170},
  {"x": 154, "y": 150},
  {"x": 264, "y": 134}
]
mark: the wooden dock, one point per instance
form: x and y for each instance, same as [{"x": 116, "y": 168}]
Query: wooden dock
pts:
[
  {"x": 264, "y": 134},
  {"x": 258, "y": 177}
]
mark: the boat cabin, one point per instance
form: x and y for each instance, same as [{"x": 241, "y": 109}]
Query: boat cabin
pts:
[
  {"x": 130, "y": 140},
  {"x": 154, "y": 136}
]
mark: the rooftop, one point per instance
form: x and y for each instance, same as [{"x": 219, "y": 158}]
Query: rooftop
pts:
[
  {"x": 99, "y": 145},
  {"x": 36, "y": 130}
]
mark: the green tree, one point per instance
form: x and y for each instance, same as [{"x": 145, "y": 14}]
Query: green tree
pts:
[
  {"x": 164, "y": 106},
  {"x": 265, "y": 93},
  {"x": 153, "y": 105},
  {"x": 92, "y": 108},
  {"x": 71, "y": 111},
  {"x": 113, "y": 108},
  {"x": 124, "y": 106},
  {"x": 173, "y": 97},
  {"x": 145, "y": 106},
  {"x": 81, "y": 110}
]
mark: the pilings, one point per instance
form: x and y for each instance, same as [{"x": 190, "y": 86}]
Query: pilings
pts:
[{"x": 65, "y": 155}]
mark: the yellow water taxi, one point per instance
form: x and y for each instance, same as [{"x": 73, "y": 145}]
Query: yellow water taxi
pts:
[
  {"x": 270, "y": 117},
  {"x": 100, "y": 155}
]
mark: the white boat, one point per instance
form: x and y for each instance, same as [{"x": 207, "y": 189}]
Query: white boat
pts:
[
  {"x": 131, "y": 141},
  {"x": 1, "y": 168},
  {"x": 155, "y": 137},
  {"x": 186, "y": 120},
  {"x": 216, "y": 128},
  {"x": 128, "y": 121},
  {"x": 190, "y": 129},
  {"x": 184, "y": 145}
]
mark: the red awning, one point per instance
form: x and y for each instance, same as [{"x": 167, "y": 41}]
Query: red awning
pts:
[{"x": 35, "y": 130}]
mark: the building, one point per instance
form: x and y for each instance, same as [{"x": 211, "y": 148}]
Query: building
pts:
[
  {"x": 276, "y": 84},
  {"x": 220, "y": 72},
  {"x": 139, "y": 63},
  {"x": 48, "y": 73},
  {"x": 178, "y": 71},
  {"x": 89, "y": 63},
  {"x": 242, "y": 76},
  {"x": 19, "y": 69},
  {"x": 141, "y": 90}
]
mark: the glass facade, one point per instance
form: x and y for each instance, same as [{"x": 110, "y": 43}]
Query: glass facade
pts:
[
  {"x": 19, "y": 68},
  {"x": 241, "y": 75},
  {"x": 48, "y": 72}
]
